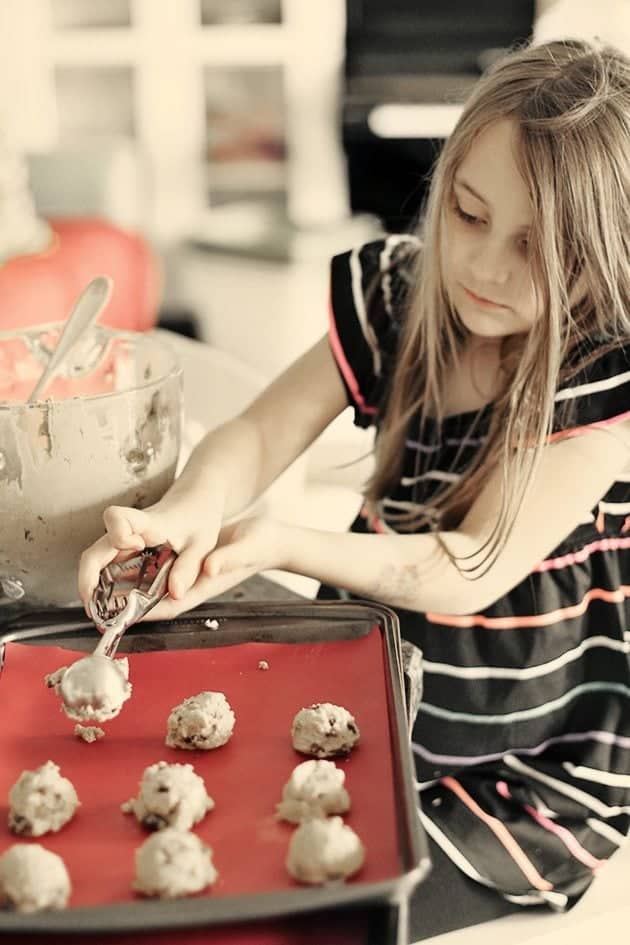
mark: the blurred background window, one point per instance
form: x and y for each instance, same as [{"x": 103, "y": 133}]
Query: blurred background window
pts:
[
  {"x": 95, "y": 101},
  {"x": 240, "y": 11},
  {"x": 69, "y": 14},
  {"x": 245, "y": 119}
]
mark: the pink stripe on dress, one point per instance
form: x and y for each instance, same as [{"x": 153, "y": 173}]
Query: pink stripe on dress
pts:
[
  {"x": 577, "y": 557},
  {"x": 577, "y": 431},
  {"x": 344, "y": 367},
  {"x": 617, "y": 596},
  {"x": 502, "y": 834},
  {"x": 572, "y": 844}
]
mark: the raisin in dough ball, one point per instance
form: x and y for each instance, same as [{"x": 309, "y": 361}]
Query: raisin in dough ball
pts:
[
  {"x": 324, "y": 730},
  {"x": 315, "y": 789},
  {"x": 41, "y": 801},
  {"x": 173, "y": 863},
  {"x": 203, "y": 721},
  {"x": 170, "y": 796},
  {"x": 321, "y": 851},
  {"x": 33, "y": 878}
]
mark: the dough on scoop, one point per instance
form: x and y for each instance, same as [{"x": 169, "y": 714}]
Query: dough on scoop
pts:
[{"x": 93, "y": 689}]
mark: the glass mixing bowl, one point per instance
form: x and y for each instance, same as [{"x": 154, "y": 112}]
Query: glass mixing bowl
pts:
[{"x": 108, "y": 432}]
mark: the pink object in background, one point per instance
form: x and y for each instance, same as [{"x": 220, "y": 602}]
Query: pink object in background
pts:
[{"x": 40, "y": 288}]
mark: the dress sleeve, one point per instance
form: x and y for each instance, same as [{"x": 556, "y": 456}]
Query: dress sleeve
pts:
[
  {"x": 369, "y": 285},
  {"x": 597, "y": 395}
]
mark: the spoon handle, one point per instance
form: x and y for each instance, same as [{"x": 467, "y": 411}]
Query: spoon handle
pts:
[
  {"x": 108, "y": 643},
  {"x": 86, "y": 310}
]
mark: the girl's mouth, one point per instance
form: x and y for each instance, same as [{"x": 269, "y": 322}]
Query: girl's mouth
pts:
[{"x": 480, "y": 300}]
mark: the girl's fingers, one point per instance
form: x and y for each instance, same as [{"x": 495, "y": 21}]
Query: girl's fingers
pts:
[
  {"x": 240, "y": 548},
  {"x": 185, "y": 571},
  {"x": 92, "y": 562},
  {"x": 203, "y": 590},
  {"x": 224, "y": 561},
  {"x": 212, "y": 587},
  {"x": 132, "y": 529}
]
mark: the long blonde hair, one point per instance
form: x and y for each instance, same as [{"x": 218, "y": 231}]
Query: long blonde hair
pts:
[{"x": 571, "y": 104}]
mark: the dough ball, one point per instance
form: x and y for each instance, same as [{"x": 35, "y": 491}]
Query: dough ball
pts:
[
  {"x": 33, "y": 878},
  {"x": 41, "y": 801},
  {"x": 88, "y": 733},
  {"x": 170, "y": 796},
  {"x": 203, "y": 721},
  {"x": 324, "y": 730},
  {"x": 173, "y": 863},
  {"x": 315, "y": 789},
  {"x": 324, "y": 850}
]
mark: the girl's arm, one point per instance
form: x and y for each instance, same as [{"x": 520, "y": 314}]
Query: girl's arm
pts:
[
  {"x": 412, "y": 571},
  {"x": 240, "y": 459},
  {"x": 227, "y": 471}
]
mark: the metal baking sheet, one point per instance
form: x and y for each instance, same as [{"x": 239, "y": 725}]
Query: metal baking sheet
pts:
[{"x": 347, "y": 653}]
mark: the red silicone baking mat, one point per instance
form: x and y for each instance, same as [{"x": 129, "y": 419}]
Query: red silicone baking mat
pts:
[{"x": 244, "y": 777}]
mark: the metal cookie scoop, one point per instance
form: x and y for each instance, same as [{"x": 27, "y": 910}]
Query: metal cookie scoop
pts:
[
  {"x": 126, "y": 591},
  {"x": 95, "y": 687}
]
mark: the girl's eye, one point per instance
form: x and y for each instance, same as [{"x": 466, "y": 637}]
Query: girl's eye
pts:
[{"x": 466, "y": 217}]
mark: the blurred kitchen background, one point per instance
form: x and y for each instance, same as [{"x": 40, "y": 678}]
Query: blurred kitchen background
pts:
[
  {"x": 245, "y": 140},
  {"x": 240, "y": 143}
]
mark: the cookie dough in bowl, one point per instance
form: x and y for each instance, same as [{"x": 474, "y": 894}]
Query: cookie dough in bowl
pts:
[
  {"x": 324, "y": 850},
  {"x": 315, "y": 789},
  {"x": 33, "y": 878},
  {"x": 170, "y": 796},
  {"x": 173, "y": 863},
  {"x": 41, "y": 801},
  {"x": 324, "y": 730},
  {"x": 203, "y": 721}
]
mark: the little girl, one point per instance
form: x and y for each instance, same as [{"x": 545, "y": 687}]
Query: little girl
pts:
[{"x": 492, "y": 354}]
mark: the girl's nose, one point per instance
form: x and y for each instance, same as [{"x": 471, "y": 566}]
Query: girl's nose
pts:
[{"x": 489, "y": 263}]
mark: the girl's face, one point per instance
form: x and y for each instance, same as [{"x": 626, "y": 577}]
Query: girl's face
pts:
[{"x": 489, "y": 215}]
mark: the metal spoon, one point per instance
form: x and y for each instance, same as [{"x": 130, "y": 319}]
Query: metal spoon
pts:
[
  {"x": 86, "y": 310},
  {"x": 95, "y": 686}
]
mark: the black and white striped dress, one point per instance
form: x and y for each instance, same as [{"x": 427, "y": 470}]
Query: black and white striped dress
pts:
[{"x": 522, "y": 742}]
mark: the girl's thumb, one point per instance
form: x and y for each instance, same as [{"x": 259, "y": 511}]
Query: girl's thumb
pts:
[{"x": 131, "y": 528}]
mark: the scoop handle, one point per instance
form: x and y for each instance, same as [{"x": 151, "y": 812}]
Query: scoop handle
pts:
[{"x": 86, "y": 310}]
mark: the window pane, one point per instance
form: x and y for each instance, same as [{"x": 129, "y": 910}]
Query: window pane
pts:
[
  {"x": 68, "y": 14},
  {"x": 240, "y": 11},
  {"x": 246, "y": 149},
  {"x": 95, "y": 101}
]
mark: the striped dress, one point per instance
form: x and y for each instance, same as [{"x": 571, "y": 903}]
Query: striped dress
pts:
[{"x": 522, "y": 741}]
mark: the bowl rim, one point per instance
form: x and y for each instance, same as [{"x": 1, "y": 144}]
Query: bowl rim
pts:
[{"x": 175, "y": 370}]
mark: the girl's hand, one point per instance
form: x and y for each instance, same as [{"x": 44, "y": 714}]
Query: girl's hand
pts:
[
  {"x": 252, "y": 544},
  {"x": 191, "y": 534},
  {"x": 243, "y": 549}
]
